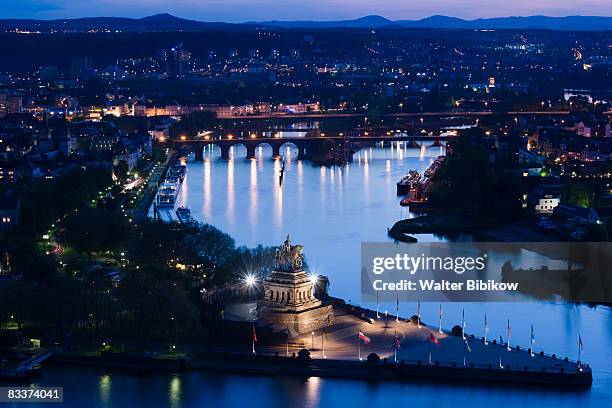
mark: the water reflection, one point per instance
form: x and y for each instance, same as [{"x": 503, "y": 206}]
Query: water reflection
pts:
[
  {"x": 253, "y": 191},
  {"x": 313, "y": 392},
  {"x": 207, "y": 196},
  {"x": 231, "y": 216},
  {"x": 175, "y": 391},
  {"x": 278, "y": 192},
  {"x": 104, "y": 390}
]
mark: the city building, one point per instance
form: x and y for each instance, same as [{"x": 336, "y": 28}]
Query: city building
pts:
[{"x": 81, "y": 67}]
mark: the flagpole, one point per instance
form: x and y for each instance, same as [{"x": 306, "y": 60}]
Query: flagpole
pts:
[
  {"x": 377, "y": 315},
  {"x": 464, "y": 345},
  {"x": 440, "y": 328},
  {"x": 397, "y": 308},
  {"x": 579, "y": 349},
  {"x": 395, "y": 347},
  {"x": 463, "y": 324},
  {"x": 532, "y": 340},
  {"x": 419, "y": 315},
  {"x": 508, "y": 336},
  {"x": 358, "y": 344},
  {"x": 501, "y": 344},
  {"x": 485, "y": 330},
  {"x": 430, "y": 352},
  {"x": 253, "y": 338}
]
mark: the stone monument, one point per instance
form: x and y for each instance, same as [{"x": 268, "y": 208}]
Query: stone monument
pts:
[{"x": 289, "y": 301}]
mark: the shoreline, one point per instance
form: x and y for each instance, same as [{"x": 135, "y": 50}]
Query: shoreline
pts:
[
  {"x": 453, "y": 223},
  {"x": 273, "y": 365}
]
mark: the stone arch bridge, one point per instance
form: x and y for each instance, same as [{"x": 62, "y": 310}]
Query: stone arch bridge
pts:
[{"x": 301, "y": 143}]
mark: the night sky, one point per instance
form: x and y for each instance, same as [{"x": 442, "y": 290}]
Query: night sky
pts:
[{"x": 251, "y": 10}]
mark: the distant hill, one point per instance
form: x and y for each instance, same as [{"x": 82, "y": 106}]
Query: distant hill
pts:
[
  {"x": 570, "y": 23},
  {"x": 362, "y": 22},
  {"x": 158, "y": 22},
  {"x": 167, "y": 22}
]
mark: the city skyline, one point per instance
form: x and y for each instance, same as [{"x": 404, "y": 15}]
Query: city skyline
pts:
[{"x": 261, "y": 10}]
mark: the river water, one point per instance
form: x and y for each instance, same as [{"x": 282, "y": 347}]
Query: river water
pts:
[{"x": 330, "y": 211}]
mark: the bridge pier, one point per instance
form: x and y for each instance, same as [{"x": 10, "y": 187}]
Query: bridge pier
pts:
[
  {"x": 250, "y": 151},
  {"x": 301, "y": 153},
  {"x": 199, "y": 153},
  {"x": 225, "y": 152},
  {"x": 275, "y": 150}
]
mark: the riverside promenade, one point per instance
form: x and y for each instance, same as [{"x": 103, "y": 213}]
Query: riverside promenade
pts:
[{"x": 423, "y": 352}]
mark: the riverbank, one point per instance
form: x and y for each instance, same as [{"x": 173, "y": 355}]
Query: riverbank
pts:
[
  {"x": 447, "y": 223},
  {"x": 142, "y": 208},
  {"x": 373, "y": 369},
  {"x": 456, "y": 223},
  {"x": 559, "y": 373}
]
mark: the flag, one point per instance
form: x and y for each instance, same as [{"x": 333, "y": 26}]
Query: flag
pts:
[
  {"x": 501, "y": 339},
  {"x": 440, "y": 311},
  {"x": 254, "y": 335},
  {"x": 363, "y": 337},
  {"x": 433, "y": 338},
  {"x": 467, "y": 345},
  {"x": 486, "y": 324},
  {"x": 580, "y": 342},
  {"x": 532, "y": 337}
]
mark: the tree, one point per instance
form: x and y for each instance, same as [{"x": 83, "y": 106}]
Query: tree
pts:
[
  {"x": 95, "y": 230},
  {"x": 121, "y": 170}
]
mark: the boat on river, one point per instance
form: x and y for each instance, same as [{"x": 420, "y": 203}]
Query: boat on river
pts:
[
  {"x": 184, "y": 215},
  {"x": 408, "y": 182},
  {"x": 168, "y": 191}
]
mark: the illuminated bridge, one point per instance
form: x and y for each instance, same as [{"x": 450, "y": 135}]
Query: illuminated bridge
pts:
[{"x": 301, "y": 143}]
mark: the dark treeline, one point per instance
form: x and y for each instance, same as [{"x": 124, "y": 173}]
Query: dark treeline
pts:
[{"x": 161, "y": 269}]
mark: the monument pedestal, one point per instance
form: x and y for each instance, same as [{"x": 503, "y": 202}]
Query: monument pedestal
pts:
[{"x": 289, "y": 301}]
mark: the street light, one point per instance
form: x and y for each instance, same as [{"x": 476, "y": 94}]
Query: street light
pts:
[{"x": 250, "y": 280}]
